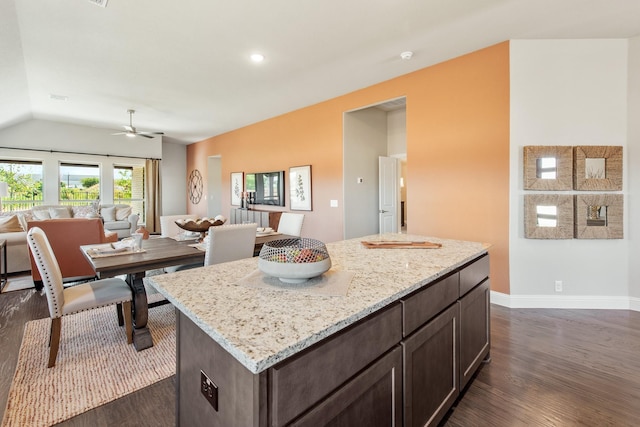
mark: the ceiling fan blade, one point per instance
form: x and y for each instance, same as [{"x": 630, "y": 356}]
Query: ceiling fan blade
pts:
[
  {"x": 143, "y": 135},
  {"x": 119, "y": 133},
  {"x": 150, "y": 133}
]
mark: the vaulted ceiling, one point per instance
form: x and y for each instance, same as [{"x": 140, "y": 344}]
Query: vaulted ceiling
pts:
[{"x": 184, "y": 65}]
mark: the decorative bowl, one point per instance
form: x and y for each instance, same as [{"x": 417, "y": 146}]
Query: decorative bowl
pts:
[
  {"x": 200, "y": 225},
  {"x": 294, "y": 260}
]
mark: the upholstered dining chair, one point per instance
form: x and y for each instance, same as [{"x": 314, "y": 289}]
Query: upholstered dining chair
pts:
[
  {"x": 168, "y": 226},
  {"x": 291, "y": 224},
  {"x": 77, "y": 298},
  {"x": 230, "y": 243}
]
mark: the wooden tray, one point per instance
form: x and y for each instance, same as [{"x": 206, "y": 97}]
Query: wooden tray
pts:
[{"x": 388, "y": 244}]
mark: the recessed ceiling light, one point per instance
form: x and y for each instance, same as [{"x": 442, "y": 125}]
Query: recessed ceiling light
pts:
[
  {"x": 257, "y": 57},
  {"x": 58, "y": 97}
]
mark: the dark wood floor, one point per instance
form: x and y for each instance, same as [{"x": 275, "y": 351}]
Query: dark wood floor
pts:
[{"x": 548, "y": 368}]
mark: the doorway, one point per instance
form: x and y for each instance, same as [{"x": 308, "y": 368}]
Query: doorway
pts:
[{"x": 369, "y": 133}]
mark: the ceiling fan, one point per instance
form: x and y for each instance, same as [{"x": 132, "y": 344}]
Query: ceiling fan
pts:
[{"x": 131, "y": 131}]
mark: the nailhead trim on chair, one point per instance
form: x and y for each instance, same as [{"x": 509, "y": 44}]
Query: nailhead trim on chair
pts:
[{"x": 46, "y": 280}]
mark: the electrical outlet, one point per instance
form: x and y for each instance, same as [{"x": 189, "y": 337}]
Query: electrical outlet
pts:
[
  {"x": 209, "y": 390},
  {"x": 558, "y": 285}
]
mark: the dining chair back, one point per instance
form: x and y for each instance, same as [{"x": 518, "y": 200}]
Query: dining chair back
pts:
[
  {"x": 168, "y": 226},
  {"x": 230, "y": 243},
  {"x": 291, "y": 224},
  {"x": 76, "y": 298}
]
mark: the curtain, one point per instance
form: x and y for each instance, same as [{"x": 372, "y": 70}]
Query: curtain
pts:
[{"x": 152, "y": 190}]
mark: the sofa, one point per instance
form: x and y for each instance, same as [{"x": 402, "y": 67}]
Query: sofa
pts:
[
  {"x": 13, "y": 226},
  {"x": 65, "y": 236}
]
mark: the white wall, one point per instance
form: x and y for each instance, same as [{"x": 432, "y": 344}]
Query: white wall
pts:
[
  {"x": 173, "y": 176},
  {"x": 567, "y": 92},
  {"x": 633, "y": 156}
]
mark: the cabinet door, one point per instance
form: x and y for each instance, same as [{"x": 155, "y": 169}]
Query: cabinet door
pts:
[
  {"x": 474, "y": 331},
  {"x": 431, "y": 370},
  {"x": 373, "y": 398}
]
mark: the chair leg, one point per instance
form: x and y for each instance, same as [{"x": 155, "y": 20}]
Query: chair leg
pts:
[
  {"x": 54, "y": 340},
  {"x": 119, "y": 311},
  {"x": 128, "y": 322}
]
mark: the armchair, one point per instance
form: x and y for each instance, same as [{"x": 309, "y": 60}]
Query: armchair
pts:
[
  {"x": 119, "y": 219},
  {"x": 66, "y": 236}
]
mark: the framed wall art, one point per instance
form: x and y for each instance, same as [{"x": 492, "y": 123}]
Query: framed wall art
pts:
[
  {"x": 548, "y": 216},
  {"x": 300, "y": 188},
  {"x": 237, "y": 187},
  {"x": 597, "y": 168},
  {"x": 548, "y": 167},
  {"x": 599, "y": 216}
]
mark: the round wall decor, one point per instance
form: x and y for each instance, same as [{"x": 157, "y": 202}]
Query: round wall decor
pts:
[{"x": 195, "y": 186}]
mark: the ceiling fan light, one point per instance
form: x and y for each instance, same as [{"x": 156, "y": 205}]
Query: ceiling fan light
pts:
[{"x": 131, "y": 134}]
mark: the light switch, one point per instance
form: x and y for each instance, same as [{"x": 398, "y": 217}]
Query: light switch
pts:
[{"x": 333, "y": 203}]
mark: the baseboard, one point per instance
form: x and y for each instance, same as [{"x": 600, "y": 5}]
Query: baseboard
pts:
[{"x": 566, "y": 301}]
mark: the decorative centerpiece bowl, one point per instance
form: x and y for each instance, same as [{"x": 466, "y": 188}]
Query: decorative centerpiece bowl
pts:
[
  {"x": 200, "y": 225},
  {"x": 294, "y": 260}
]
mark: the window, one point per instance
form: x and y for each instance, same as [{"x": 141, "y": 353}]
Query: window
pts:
[
  {"x": 24, "y": 180},
  {"x": 128, "y": 187},
  {"x": 79, "y": 184}
]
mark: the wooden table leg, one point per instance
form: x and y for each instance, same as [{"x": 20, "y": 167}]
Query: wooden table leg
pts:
[{"x": 140, "y": 312}]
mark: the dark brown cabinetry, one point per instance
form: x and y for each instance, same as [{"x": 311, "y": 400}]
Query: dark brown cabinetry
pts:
[
  {"x": 446, "y": 337},
  {"x": 299, "y": 383},
  {"x": 431, "y": 370},
  {"x": 405, "y": 364},
  {"x": 372, "y": 399},
  {"x": 474, "y": 331}
]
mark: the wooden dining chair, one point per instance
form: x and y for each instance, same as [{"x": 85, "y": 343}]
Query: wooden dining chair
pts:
[
  {"x": 230, "y": 243},
  {"x": 74, "y": 299},
  {"x": 291, "y": 224}
]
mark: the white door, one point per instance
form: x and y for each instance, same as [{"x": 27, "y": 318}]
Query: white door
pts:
[{"x": 389, "y": 195}]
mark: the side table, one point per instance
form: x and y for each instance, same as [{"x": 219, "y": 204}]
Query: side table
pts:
[{"x": 3, "y": 266}]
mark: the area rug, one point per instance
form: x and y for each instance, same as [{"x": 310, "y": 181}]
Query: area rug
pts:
[
  {"x": 95, "y": 365},
  {"x": 17, "y": 283}
]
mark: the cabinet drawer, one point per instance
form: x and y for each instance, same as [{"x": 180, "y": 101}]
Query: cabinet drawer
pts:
[
  {"x": 420, "y": 307},
  {"x": 473, "y": 274},
  {"x": 373, "y": 398},
  {"x": 297, "y": 384}
]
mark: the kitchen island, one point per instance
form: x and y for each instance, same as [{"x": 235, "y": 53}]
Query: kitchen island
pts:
[{"x": 414, "y": 324}]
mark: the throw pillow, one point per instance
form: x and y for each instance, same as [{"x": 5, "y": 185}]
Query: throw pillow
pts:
[
  {"x": 108, "y": 214},
  {"x": 41, "y": 214},
  {"x": 23, "y": 221},
  {"x": 123, "y": 213},
  {"x": 59, "y": 212},
  {"x": 10, "y": 224},
  {"x": 86, "y": 211}
]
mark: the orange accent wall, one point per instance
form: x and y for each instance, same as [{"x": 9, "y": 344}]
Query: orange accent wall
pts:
[{"x": 457, "y": 178}]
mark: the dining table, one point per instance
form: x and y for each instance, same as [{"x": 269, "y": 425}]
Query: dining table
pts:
[{"x": 157, "y": 253}]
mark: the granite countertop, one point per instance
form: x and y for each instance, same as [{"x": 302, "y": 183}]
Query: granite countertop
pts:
[{"x": 261, "y": 327}]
